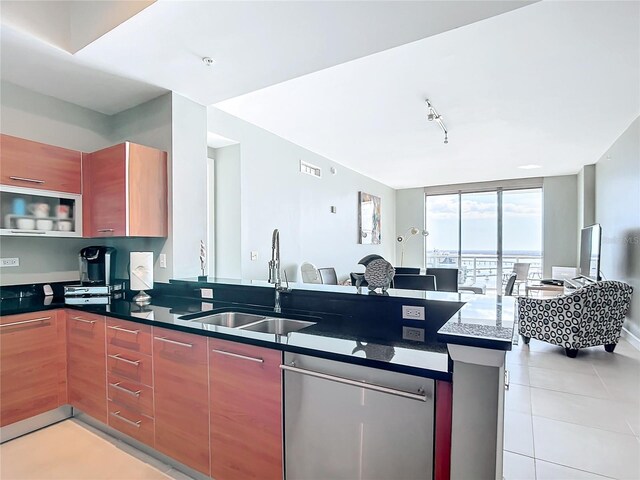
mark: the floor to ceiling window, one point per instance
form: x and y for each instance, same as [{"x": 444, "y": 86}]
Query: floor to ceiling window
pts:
[{"x": 485, "y": 234}]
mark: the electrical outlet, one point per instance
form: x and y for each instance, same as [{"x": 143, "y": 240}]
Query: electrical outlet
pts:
[
  {"x": 411, "y": 312},
  {"x": 254, "y": 255},
  {"x": 411, "y": 333},
  {"x": 206, "y": 292},
  {"x": 163, "y": 260},
  {"x": 10, "y": 262}
]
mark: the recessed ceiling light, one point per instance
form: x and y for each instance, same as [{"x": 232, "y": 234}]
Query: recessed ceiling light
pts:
[
  {"x": 530, "y": 166},
  {"x": 208, "y": 61}
]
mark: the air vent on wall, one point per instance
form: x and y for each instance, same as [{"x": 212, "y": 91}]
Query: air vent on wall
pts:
[{"x": 310, "y": 169}]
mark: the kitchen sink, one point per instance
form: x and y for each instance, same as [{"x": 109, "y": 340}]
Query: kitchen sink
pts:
[
  {"x": 278, "y": 326},
  {"x": 230, "y": 319}
]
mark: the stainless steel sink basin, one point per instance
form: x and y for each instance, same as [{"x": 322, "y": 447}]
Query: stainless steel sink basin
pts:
[
  {"x": 278, "y": 326},
  {"x": 230, "y": 319}
]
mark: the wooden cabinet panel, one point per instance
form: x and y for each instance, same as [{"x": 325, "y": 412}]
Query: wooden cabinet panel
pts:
[
  {"x": 104, "y": 199},
  {"x": 132, "y": 365},
  {"x": 25, "y": 163},
  {"x": 444, "y": 411},
  {"x": 33, "y": 377},
  {"x": 181, "y": 389},
  {"x": 135, "y": 337},
  {"x": 246, "y": 411},
  {"x": 132, "y": 423},
  {"x": 125, "y": 192},
  {"x": 133, "y": 395},
  {"x": 87, "y": 368},
  {"x": 147, "y": 192}
]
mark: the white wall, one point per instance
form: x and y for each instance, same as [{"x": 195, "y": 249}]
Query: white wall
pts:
[
  {"x": 228, "y": 214},
  {"x": 618, "y": 211},
  {"x": 410, "y": 205},
  {"x": 189, "y": 184},
  {"x": 559, "y": 222},
  {"x": 274, "y": 194}
]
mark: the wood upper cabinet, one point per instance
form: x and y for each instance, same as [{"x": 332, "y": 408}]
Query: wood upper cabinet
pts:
[
  {"x": 24, "y": 163},
  {"x": 33, "y": 369},
  {"x": 125, "y": 192},
  {"x": 86, "y": 362},
  {"x": 181, "y": 393},
  {"x": 246, "y": 411}
]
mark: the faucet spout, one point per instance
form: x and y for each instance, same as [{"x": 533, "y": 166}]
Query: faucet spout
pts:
[{"x": 274, "y": 263}]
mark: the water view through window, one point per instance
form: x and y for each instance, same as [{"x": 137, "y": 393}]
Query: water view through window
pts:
[{"x": 485, "y": 234}]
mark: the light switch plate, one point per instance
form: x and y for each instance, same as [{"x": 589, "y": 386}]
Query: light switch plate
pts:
[
  {"x": 206, "y": 292},
  {"x": 163, "y": 260},
  {"x": 254, "y": 256}
]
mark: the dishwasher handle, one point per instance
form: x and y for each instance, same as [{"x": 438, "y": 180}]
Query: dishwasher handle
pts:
[{"x": 420, "y": 396}]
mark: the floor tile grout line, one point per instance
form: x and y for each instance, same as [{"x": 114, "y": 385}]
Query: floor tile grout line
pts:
[
  {"x": 574, "y": 468},
  {"x": 585, "y": 426}
]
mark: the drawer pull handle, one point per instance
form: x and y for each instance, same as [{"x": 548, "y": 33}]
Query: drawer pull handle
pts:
[
  {"x": 23, "y": 322},
  {"x": 174, "y": 342},
  {"x": 126, "y": 390},
  {"x": 125, "y": 360},
  {"x": 80, "y": 319},
  {"x": 126, "y": 330},
  {"x": 237, "y": 355},
  {"x": 420, "y": 396},
  {"x": 105, "y": 230},
  {"x": 23, "y": 179},
  {"x": 126, "y": 420}
]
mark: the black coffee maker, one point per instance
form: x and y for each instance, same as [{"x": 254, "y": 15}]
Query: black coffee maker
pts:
[{"x": 97, "y": 265}]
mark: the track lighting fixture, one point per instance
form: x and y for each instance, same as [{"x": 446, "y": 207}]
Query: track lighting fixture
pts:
[{"x": 434, "y": 116}]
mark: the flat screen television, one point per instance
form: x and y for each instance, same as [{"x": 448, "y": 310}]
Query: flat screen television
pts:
[{"x": 590, "y": 241}]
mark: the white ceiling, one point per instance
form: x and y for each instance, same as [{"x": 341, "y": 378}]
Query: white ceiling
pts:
[
  {"x": 552, "y": 84},
  {"x": 255, "y": 44}
]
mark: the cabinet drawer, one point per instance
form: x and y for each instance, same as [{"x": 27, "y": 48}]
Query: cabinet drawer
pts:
[
  {"x": 86, "y": 362},
  {"x": 135, "y": 337},
  {"x": 131, "y": 423},
  {"x": 33, "y": 375},
  {"x": 131, "y": 365},
  {"x": 132, "y": 395},
  {"x": 25, "y": 163},
  {"x": 181, "y": 397}
]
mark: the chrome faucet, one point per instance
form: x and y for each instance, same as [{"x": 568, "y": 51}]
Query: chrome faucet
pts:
[{"x": 274, "y": 270}]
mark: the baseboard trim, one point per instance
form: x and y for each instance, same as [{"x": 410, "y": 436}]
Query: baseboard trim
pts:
[
  {"x": 631, "y": 338},
  {"x": 23, "y": 427}
]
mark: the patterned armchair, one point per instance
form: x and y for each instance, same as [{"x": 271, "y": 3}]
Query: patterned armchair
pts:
[{"x": 588, "y": 317}]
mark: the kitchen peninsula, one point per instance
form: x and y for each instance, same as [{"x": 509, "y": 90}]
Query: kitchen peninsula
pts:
[{"x": 446, "y": 367}]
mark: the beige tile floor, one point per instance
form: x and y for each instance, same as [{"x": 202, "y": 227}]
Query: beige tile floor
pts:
[
  {"x": 572, "y": 418},
  {"x": 70, "y": 450}
]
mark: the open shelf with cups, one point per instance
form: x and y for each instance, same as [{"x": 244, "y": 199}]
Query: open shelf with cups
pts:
[{"x": 31, "y": 212}]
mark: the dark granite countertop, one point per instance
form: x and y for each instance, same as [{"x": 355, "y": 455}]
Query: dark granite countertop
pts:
[
  {"x": 485, "y": 321},
  {"x": 333, "y": 336}
]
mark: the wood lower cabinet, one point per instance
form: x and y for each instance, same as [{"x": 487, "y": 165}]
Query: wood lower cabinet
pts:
[
  {"x": 24, "y": 163},
  {"x": 33, "y": 367},
  {"x": 86, "y": 359},
  {"x": 246, "y": 411},
  {"x": 125, "y": 192},
  {"x": 181, "y": 390}
]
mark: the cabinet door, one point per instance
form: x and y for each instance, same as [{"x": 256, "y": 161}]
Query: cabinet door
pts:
[
  {"x": 181, "y": 389},
  {"x": 87, "y": 368},
  {"x": 25, "y": 163},
  {"x": 33, "y": 376},
  {"x": 104, "y": 198},
  {"x": 147, "y": 191},
  {"x": 246, "y": 411}
]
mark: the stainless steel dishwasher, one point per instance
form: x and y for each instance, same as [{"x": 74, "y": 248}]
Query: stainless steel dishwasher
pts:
[{"x": 346, "y": 422}]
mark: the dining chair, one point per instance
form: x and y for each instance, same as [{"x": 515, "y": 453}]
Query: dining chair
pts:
[
  {"x": 407, "y": 270},
  {"x": 446, "y": 278},
  {"x": 328, "y": 276},
  {"x": 415, "y": 282}
]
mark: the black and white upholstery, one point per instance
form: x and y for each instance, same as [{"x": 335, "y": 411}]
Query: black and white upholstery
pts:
[{"x": 590, "y": 316}]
